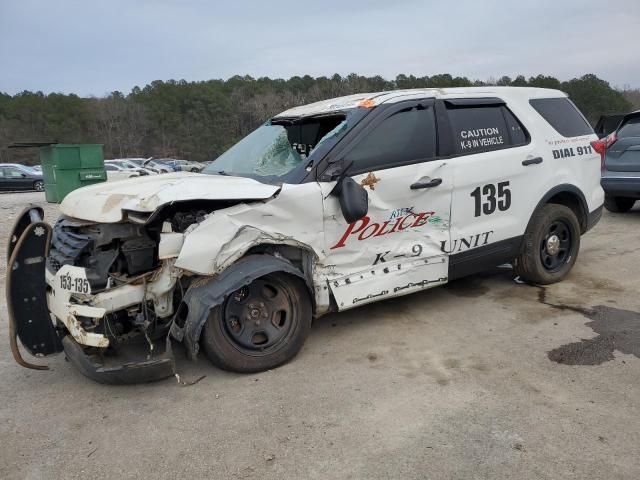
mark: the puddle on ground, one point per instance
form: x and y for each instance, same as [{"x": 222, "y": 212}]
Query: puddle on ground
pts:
[{"x": 617, "y": 329}]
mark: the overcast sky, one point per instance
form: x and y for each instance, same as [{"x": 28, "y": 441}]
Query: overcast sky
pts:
[{"x": 95, "y": 47}]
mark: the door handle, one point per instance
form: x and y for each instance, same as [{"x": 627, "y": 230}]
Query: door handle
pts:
[
  {"x": 426, "y": 183},
  {"x": 532, "y": 161}
]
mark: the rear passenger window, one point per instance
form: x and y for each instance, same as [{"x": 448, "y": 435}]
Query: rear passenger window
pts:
[
  {"x": 405, "y": 137},
  {"x": 485, "y": 128},
  {"x": 562, "y": 115}
]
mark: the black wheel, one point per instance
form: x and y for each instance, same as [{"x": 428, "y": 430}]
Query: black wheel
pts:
[
  {"x": 551, "y": 245},
  {"x": 194, "y": 170},
  {"x": 38, "y": 186},
  {"x": 260, "y": 326},
  {"x": 618, "y": 204}
]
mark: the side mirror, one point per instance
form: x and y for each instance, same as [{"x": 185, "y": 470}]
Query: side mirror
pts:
[
  {"x": 353, "y": 198},
  {"x": 23, "y": 175}
]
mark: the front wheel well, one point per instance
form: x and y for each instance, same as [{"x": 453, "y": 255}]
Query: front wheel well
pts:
[{"x": 301, "y": 258}]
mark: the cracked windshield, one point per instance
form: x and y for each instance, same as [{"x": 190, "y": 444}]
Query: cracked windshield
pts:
[{"x": 274, "y": 150}]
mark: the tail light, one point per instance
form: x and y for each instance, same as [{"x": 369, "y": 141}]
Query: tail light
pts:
[{"x": 600, "y": 146}]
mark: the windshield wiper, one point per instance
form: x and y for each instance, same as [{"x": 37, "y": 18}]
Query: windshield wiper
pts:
[{"x": 222, "y": 172}]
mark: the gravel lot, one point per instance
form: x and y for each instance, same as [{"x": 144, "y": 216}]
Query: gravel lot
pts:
[{"x": 484, "y": 378}]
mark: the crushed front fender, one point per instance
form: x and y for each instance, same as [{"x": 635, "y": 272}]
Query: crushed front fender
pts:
[{"x": 205, "y": 295}]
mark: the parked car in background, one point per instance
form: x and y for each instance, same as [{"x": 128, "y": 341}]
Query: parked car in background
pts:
[
  {"x": 139, "y": 162},
  {"x": 183, "y": 165},
  {"x": 14, "y": 176},
  {"x": 126, "y": 164},
  {"x": 117, "y": 172},
  {"x": 620, "y": 157},
  {"x": 150, "y": 164},
  {"x": 608, "y": 123},
  {"x": 157, "y": 166}
]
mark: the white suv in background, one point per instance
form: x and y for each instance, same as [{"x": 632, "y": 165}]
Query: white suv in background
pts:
[
  {"x": 325, "y": 207},
  {"x": 124, "y": 164},
  {"x": 115, "y": 172}
]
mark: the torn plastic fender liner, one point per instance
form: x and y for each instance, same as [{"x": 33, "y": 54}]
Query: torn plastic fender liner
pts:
[{"x": 202, "y": 297}]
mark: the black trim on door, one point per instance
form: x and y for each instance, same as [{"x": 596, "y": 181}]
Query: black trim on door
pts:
[
  {"x": 485, "y": 257},
  {"x": 446, "y": 146}
]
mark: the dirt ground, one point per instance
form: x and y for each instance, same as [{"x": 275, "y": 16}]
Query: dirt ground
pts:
[{"x": 484, "y": 378}]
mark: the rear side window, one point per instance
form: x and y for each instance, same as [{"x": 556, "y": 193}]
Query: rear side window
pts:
[
  {"x": 562, "y": 115},
  {"x": 485, "y": 128},
  {"x": 630, "y": 128},
  {"x": 406, "y": 136}
]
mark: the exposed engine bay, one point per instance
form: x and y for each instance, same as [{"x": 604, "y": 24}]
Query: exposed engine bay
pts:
[
  {"x": 108, "y": 252},
  {"x": 126, "y": 254}
]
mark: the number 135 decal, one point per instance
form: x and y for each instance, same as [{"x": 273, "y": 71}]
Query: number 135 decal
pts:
[{"x": 502, "y": 200}]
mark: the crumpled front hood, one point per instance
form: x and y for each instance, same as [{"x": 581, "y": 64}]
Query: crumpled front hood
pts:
[{"x": 104, "y": 202}]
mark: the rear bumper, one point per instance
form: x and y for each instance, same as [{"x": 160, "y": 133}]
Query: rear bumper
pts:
[{"x": 621, "y": 186}]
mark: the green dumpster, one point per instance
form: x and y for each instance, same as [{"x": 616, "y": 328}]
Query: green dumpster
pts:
[{"x": 66, "y": 167}]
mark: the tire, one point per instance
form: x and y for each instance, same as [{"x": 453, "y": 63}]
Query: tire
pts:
[
  {"x": 236, "y": 336},
  {"x": 546, "y": 259},
  {"x": 618, "y": 204},
  {"x": 194, "y": 170},
  {"x": 38, "y": 186}
]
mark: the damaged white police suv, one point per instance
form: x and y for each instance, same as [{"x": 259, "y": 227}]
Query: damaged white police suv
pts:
[{"x": 325, "y": 207}]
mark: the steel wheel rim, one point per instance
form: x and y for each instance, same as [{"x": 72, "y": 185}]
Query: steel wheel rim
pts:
[
  {"x": 259, "y": 318},
  {"x": 556, "y": 246},
  {"x": 39, "y": 186}
]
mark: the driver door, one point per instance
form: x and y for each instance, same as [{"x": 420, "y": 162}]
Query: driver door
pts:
[{"x": 397, "y": 248}]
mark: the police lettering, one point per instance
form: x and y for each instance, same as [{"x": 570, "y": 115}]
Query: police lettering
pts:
[{"x": 364, "y": 228}]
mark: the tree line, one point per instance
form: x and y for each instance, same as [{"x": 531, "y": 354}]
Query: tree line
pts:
[{"x": 200, "y": 120}]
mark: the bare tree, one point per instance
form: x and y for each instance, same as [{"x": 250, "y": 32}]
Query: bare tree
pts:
[{"x": 121, "y": 124}]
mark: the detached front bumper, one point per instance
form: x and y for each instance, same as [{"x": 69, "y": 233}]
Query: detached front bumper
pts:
[{"x": 135, "y": 367}]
